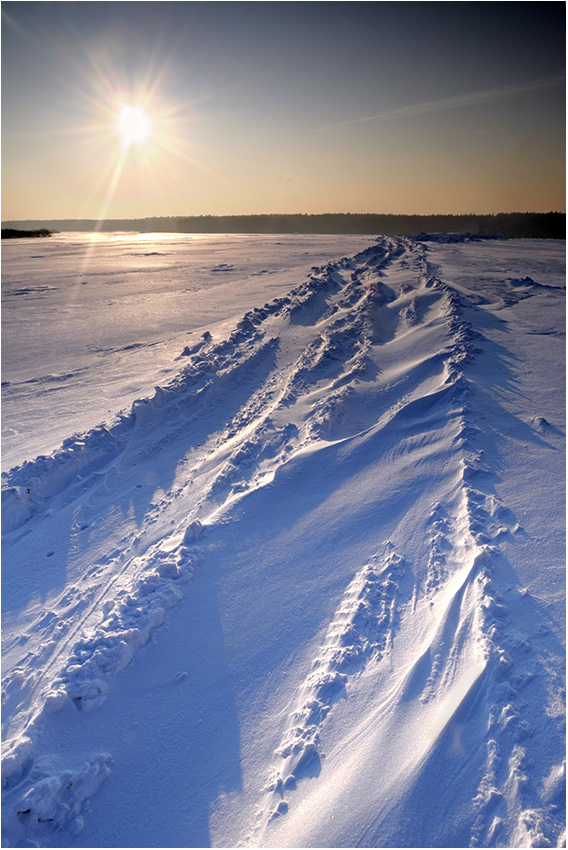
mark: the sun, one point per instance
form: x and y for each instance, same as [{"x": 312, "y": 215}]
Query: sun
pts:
[{"x": 133, "y": 124}]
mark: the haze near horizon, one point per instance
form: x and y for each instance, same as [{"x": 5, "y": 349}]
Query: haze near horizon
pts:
[{"x": 128, "y": 109}]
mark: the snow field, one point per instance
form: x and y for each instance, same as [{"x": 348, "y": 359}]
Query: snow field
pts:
[
  {"x": 92, "y": 322},
  {"x": 333, "y": 466}
]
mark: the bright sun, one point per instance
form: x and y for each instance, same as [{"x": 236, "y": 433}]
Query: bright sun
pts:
[{"x": 133, "y": 125}]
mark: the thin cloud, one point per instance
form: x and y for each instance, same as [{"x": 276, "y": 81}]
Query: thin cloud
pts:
[{"x": 457, "y": 102}]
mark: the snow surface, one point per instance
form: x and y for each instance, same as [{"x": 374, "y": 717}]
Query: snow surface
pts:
[
  {"x": 91, "y": 322},
  {"x": 307, "y": 587}
]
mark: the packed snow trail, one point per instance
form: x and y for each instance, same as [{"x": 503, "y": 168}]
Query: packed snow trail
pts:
[{"x": 343, "y": 504}]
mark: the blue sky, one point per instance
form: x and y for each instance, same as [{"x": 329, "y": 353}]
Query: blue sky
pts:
[{"x": 283, "y": 107}]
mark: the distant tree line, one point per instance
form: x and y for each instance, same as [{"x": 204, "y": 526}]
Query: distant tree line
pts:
[
  {"x": 551, "y": 225},
  {"x": 11, "y": 233},
  {"x": 508, "y": 225}
]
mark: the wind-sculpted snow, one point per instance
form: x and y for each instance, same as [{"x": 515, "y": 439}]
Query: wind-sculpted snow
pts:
[
  {"x": 362, "y": 629},
  {"x": 324, "y": 562}
]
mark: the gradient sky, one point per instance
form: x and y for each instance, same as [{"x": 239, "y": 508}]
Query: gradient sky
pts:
[{"x": 276, "y": 107}]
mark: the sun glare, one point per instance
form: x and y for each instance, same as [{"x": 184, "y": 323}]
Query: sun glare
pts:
[{"x": 133, "y": 124}]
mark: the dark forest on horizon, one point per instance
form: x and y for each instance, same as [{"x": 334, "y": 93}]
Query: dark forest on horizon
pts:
[
  {"x": 551, "y": 225},
  {"x": 11, "y": 233}
]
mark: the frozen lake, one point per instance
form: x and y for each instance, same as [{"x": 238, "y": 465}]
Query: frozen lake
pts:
[{"x": 89, "y": 323}]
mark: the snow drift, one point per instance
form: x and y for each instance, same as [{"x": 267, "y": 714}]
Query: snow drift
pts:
[{"x": 326, "y": 559}]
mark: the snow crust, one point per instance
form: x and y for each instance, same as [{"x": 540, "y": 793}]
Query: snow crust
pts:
[{"x": 306, "y": 588}]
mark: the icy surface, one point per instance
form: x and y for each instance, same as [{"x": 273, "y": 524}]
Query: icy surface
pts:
[{"x": 304, "y": 585}]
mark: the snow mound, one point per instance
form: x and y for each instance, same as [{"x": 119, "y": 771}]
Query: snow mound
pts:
[{"x": 53, "y": 803}]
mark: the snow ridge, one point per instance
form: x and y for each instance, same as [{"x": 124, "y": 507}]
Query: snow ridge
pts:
[{"x": 365, "y": 623}]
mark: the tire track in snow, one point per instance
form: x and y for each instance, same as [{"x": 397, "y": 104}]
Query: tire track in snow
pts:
[
  {"x": 264, "y": 434},
  {"x": 143, "y": 437},
  {"x": 145, "y": 586},
  {"x": 345, "y": 647}
]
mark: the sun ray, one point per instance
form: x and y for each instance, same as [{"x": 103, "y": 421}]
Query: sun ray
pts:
[{"x": 115, "y": 177}]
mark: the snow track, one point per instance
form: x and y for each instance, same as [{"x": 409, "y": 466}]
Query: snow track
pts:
[{"x": 338, "y": 459}]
